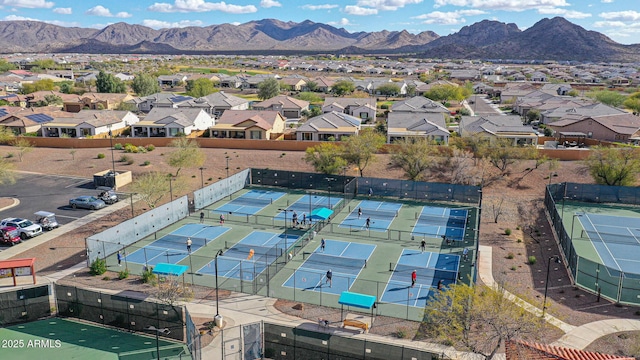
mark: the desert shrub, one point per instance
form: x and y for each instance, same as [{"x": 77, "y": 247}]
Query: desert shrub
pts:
[
  {"x": 401, "y": 333},
  {"x": 146, "y": 163},
  {"x": 100, "y": 156},
  {"x": 106, "y": 278},
  {"x": 130, "y": 148},
  {"x": 148, "y": 277},
  {"x": 118, "y": 146},
  {"x": 514, "y": 268},
  {"x": 126, "y": 159},
  {"x": 150, "y": 147},
  {"x": 507, "y": 231},
  {"x": 98, "y": 267},
  {"x": 9, "y": 155},
  {"x": 532, "y": 260},
  {"x": 510, "y": 255},
  {"x": 123, "y": 274}
]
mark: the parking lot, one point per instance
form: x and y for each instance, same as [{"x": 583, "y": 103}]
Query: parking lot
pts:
[{"x": 47, "y": 192}]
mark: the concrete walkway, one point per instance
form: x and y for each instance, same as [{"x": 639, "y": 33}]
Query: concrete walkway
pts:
[{"x": 580, "y": 337}]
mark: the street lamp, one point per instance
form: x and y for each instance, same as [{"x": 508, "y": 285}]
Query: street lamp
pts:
[
  {"x": 163, "y": 331},
  {"x": 227, "y": 168},
  {"x": 329, "y": 180},
  {"x": 113, "y": 159},
  {"x": 202, "y": 177},
  {"x": 557, "y": 260},
  {"x": 217, "y": 317},
  {"x": 285, "y": 218}
]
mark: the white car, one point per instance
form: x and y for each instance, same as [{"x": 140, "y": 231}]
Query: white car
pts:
[{"x": 25, "y": 227}]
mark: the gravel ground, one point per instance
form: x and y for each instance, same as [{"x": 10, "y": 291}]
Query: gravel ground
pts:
[{"x": 571, "y": 305}]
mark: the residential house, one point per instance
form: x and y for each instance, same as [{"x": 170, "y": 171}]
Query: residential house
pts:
[
  {"x": 26, "y": 120},
  {"x": 171, "y": 80},
  {"x": 124, "y": 76},
  {"x": 331, "y": 126},
  {"x": 323, "y": 84},
  {"x": 88, "y": 123},
  {"x": 232, "y": 82},
  {"x": 575, "y": 111},
  {"x": 170, "y": 122},
  {"x": 519, "y": 350},
  {"x": 162, "y": 100},
  {"x": 253, "y": 82},
  {"x": 465, "y": 75},
  {"x": 95, "y": 101},
  {"x": 249, "y": 124},
  {"x": 496, "y": 127},
  {"x": 419, "y": 104},
  {"x": 216, "y": 103},
  {"x": 410, "y": 125},
  {"x": 290, "y": 108},
  {"x": 38, "y": 98},
  {"x": 421, "y": 90},
  {"x": 616, "y": 128},
  {"x": 294, "y": 83},
  {"x": 363, "y": 108}
]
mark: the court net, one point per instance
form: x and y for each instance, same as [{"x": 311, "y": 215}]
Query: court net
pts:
[
  {"x": 173, "y": 238},
  {"x": 243, "y": 200},
  {"x": 376, "y": 213},
  {"x": 259, "y": 251},
  {"x": 406, "y": 270},
  {"x": 450, "y": 221},
  {"x": 335, "y": 261},
  {"x": 617, "y": 238}
]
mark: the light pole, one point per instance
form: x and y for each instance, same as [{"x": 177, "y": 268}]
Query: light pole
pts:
[
  {"x": 572, "y": 222},
  {"x": 557, "y": 260},
  {"x": 329, "y": 180},
  {"x": 202, "y": 177},
  {"x": 217, "y": 318},
  {"x": 164, "y": 331},
  {"x": 227, "y": 168},
  {"x": 113, "y": 159}
]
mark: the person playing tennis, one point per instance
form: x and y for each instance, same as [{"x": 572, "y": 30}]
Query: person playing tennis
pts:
[
  {"x": 322, "y": 244},
  {"x": 359, "y": 213},
  {"x": 414, "y": 278},
  {"x": 368, "y": 223},
  {"x": 329, "y": 276}
]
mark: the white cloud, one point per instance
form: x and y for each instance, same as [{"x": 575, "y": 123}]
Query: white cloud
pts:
[
  {"x": 31, "y": 4},
  {"x": 628, "y": 15},
  {"x": 506, "y": 5},
  {"x": 269, "y": 3},
  {"x": 53, "y": 22},
  {"x": 448, "y": 18},
  {"x": 607, "y": 1},
  {"x": 602, "y": 24},
  {"x": 63, "y": 11},
  {"x": 342, "y": 22},
  {"x": 158, "y": 24},
  {"x": 357, "y": 10},
  {"x": 387, "y": 5},
  {"x": 100, "y": 10},
  {"x": 569, "y": 14},
  {"x": 201, "y": 6},
  {"x": 319, "y": 7}
]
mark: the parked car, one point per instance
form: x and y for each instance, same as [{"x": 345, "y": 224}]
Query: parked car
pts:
[
  {"x": 46, "y": 219},
  {"x": 86, "y": 202},
  {"x": 9, "y": 235},
  {"x": 108, "y": 196},
  {"x": 25, "y": 227}
]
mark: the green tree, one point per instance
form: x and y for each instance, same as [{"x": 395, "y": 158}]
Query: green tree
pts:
[
  {"x": 361, "y": 150},
  {"x": 325, "y": 158},
  {"x": 40, "y": 85},
  {"x": 268, "y": 88},
  {"x": 312, "y": 86},
  {"x": 502, "y": 154},
  {"x": 343, "y": 87},
  {"x": 53, "y": 99},
  {"x": 6, "y": 66},
  {"x": 312, "y": 112},
  {"x": 46, "y": 64},
  {"x": 200, "y": 87},
  {"x": 7, "y": 176},
  {"x": 187, "y": 154},
  {"x": 611, "y": 98},
  {"x": 107, "y": 83},
  {"x": 633, "y": 103},
  {"x": 614, "y": 166},
  {"x": 533, "y": 115},
  {"x": 66, "y": 88},
  {"x": 151, "y": 187},
  {"x": 127, "y": 106},
  {"x": 6, "y": 135},
  {"x": 390, "y": 89},
  {"x": 414, "y": 156},
  {"x": 310, "y": 97},
  {"x": 23, "y": 145},
  {"x": 145, "y": 85},
  {"x": 480, "y": 319}
]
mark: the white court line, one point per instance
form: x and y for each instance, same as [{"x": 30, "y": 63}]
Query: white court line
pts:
[{"x": 604, "y": 243}]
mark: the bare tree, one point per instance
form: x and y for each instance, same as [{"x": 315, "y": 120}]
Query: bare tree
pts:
[
  {"x": 497, "y": 208},
  {"x": 172, "y": 290},
  {"x": 24, "y": 146}
]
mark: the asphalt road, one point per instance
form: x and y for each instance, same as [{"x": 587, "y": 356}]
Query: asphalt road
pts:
[
  {"x": 483, "y": 106},
  {"x": 47, "y": 192}
]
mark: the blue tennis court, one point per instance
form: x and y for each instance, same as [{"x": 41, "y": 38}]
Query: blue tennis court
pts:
[
  {"x": 235, "y": 262},
  {"x": 380, "y": 213},
  {"x": 616, "y": 239},
  {"x": 430, "y": 267},
  {"x": 172, "y": 248},
  {"x": 345, "y": 259},
  {"x": 438, "y": 221},
  {"x": 250, "y": 203},
  {"x": 306, "y": 204}
]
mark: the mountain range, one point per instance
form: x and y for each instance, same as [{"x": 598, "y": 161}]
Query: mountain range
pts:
[{"x": 548, "y": 39}]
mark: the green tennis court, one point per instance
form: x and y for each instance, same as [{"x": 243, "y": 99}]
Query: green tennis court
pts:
[{"x": 65, "y": 339}]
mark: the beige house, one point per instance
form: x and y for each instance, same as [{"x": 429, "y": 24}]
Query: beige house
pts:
[
  {"x": 496, "y": 127},
  {"x": 249, "y": 124},
  {"x": 617, "y": 128},
  {"x": 290, "y": 108},
  {"x": 95, "y": 101},
  {"x": 30, "y": 120}
]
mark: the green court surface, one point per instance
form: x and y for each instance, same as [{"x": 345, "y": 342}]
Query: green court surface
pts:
[{"x": 65, "y": 339}]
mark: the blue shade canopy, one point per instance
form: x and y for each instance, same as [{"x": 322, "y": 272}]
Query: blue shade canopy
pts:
[
  {"x": 320, "y": 213},
  {"x": 170, "y": 269},
  {"x": 357, "y": 300}
]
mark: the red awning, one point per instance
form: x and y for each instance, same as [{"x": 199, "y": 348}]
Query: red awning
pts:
[{"x": 16, "y": 263}]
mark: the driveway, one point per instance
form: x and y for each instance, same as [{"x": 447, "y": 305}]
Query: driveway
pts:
[{"x": 49, "y": 193}]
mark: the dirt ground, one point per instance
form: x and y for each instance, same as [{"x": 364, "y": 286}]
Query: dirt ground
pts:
[{"x": 525, "y": 217}]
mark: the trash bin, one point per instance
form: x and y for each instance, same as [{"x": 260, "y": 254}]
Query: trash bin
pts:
[{"x": 218, "y": 321}]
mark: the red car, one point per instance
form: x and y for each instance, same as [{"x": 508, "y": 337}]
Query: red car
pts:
[{"x": 9, "y": 235}]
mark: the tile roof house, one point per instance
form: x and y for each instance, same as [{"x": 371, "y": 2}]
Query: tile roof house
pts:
[
  {"x": 617, "y": 128},
  {"x": 407, "y": 125},
  {"x": 290, "y": 108},
  {"x": 27, "y": 120},
  {"x": 95, "y": 101},
  {"x": 419, "y": 104},
  {"x": 363, "y": 108},
  {"x": 249, "y": 124},
  {"x": 331, "y": 126},
  {"x": 577, "y": 112},
  {"x": 87, "y": 123},
  {"x": 498, "y": 127},
  {"x": 216, "y": 103},
  {"x": 522, "y": 350},
  {"x": 169, "y": 122},
  {"x": 161, "y": 99}
]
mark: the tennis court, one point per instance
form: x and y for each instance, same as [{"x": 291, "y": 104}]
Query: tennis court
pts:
[
  {"x": 306, "y": 204},
  {"x": 380, "y": 213},
  {"x": 345, "y": 260},
  {"x": 438, "y": 221},
  {"x": 64, "y": 339},
  {"x": 430, "y": 267},
  {"x": 615, "y": 238},
  {"x": 250, "y": 202},
  {"x": 238, "y": 263},
  {"x": 172, "y": 248}
]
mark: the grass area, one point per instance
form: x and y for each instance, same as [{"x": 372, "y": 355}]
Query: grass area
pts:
[
  {"x": 380, "y": 103},
  {"x": 250, "y": 97},
  {"x": 230, "y": 72}
]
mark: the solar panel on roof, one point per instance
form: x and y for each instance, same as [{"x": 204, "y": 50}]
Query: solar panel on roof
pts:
[
  {"x": 180, "y": 98},
  {"x": 39, "y": 118},
  {"x": 3, "y": 112}
]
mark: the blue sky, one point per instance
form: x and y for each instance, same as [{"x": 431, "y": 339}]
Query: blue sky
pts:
[{"x": 618, "y": 19}]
